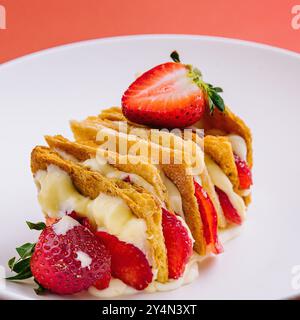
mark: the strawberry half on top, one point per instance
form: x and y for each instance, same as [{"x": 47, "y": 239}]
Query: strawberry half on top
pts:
[{"x": 171, "y": 95}]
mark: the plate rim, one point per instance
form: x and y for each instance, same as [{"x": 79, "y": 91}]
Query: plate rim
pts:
[
  {"x": 11, "y": 295},
  {"x": 142, "y": 37}
]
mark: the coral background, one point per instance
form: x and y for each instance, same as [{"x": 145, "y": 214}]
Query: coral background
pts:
[{"x": 33, "y": 25}]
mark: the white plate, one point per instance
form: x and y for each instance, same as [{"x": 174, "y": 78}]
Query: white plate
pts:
[{"x": 41, "y": 92}]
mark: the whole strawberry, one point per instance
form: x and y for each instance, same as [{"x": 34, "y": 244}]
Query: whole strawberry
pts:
[
  {"x": 68, "y": 258},
  {"x": 171, "y": 95}
]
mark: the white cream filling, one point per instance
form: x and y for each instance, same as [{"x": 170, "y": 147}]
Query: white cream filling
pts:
[
  {"x": 101, "y": 165},
  {"x": 65, "y": 155},
  {"x": 64, "y": 225},
  {"x": 118, "y": 287},
  {"x": 191, "y": 273},
  {"x": 56, "y": 193},
  {"x": 198, "y": 180},
  {"x": 220, "y": 180},
  {"x": 109, "y": 213},
  {"x": 239, "y": 146},
  {"x": 84, "y": 259},
  {"x": 173, "y": 193}
]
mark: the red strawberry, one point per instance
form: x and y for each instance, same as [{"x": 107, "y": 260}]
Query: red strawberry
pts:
[
  {"x": 68, "y": 258},
  {"x": 230, "y": 212},
  {"x": 165, "y": 96},
  {"x": 127, "y": 179},
  {"x": 209, "y": 219},
  {"x": 171, "y": 95},
  {"x": 50, "y": 221},
  {"x": 103, "y": 283},
  {"x": 128, "y": 263},
  {"x": 84, "y": 221},
  {"x": 178, "y": 243},
  {"x": 244, "y": 172}
]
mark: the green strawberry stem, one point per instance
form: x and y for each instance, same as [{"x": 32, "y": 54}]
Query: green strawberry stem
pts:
[
  {"x": 21, "y": 266},
  {"x": 214, "y": 100}
]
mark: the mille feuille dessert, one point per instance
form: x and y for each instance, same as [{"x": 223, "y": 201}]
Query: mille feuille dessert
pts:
[{"x": 131, "y": 207}]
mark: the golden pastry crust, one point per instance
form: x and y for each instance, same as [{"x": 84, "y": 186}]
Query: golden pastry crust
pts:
[
  {"x": 174, "y": 171},
  {"x": 113, "y": 114},
  {"x": 185, "y": 185},
  {"x": 128, "y": 163},
  {"x": 91, "y": 184},
  {"x": 188, "y": 187},
  {"x": 228, "y": 122},
  {"x": 220, "y": 150}
]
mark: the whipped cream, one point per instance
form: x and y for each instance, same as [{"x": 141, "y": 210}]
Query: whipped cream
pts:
[
  {"x": 84, "y": 259},
  {"x": 57, "y": 193},
  {"x": 173, "y": 193},
  {"x": 64, "y": 225},
  {"x": 118, "y": 287},
  {"x": 220, "y": 180},
  {"x": 65, "y": 155},
  {"x": 239, "y": 146},
  {"x": 101, "y": 165},
  {"x": 191, "y": 273}
]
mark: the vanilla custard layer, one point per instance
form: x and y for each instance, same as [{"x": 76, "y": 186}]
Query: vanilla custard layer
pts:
[
  {"x": 238, "y": 145},
  {"x": 221, "y": 181},
  {"x": 191, "y": 273},
  {"x": 58, "y": 196},
  {"x": 101, "y": 165}
]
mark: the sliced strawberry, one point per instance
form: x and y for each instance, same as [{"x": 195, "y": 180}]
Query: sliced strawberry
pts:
[
  {"x": 128, "y": 262},
  {"x": 178, "y": 243},
  {"x": 68, "y": 258},
  {"x": 171, "y": 95},
  {"x": 73, "y": 214},
  {"x": 127, "y": 179},
  {"x": 164, "y": 96},
  {"x": 103, "y": 283},
  {"x": 244, "y": 172},
  {"x": 230, "y": 212},
  {"x": 84, "y": 221},
  {"x": 209, "y": 219}
]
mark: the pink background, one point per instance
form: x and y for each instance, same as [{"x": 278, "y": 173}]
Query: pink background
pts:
[{"x": 34, "y": 25}]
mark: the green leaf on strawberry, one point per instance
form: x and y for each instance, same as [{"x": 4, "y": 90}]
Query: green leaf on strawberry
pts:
[
  {"x": 21, "y": 266},
  {"x": 36, "y": 226},
  {"x": 25, "y": 250},
  {"x": 175, "y": 56},
  {"x": 214, "y": 100},
  {"x": 11, "y": 263},
  {"x": 40, "y": 289}
]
